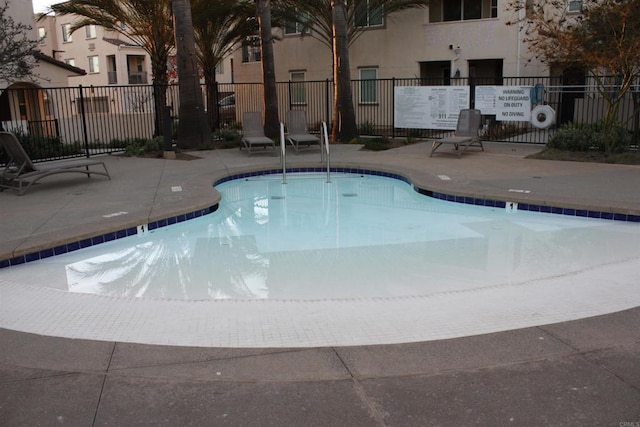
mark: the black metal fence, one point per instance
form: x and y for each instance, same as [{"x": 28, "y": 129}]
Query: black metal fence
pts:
[{"x": 82, "y": 121}]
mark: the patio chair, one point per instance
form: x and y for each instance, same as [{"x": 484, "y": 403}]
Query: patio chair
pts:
[
  {"x": 253, "y": 132},
  {"x": 20, "y": 173},
  {"x": 298, "y": 132},
  {"x": 466, "y": 134}
]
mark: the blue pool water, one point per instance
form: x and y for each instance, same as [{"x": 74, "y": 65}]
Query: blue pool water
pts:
[{"x": 359, "y": 236}]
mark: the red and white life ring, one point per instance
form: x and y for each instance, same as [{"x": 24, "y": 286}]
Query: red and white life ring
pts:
[{"x": 543, "y": 116}]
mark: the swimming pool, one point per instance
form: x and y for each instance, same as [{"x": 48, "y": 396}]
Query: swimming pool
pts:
[{"x": 351, "y": 260}]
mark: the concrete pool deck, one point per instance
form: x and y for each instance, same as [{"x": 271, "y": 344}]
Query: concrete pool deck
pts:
[{"x": 572, "y": 373}]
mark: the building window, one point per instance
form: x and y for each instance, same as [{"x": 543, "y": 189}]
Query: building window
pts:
[
  {"x": 42, "y": 35},
  {"x": 66, "y": 33},
  {"x": 368, "y": 88},
  {"x": 494, "y": 8},
  {"x": 575, "y": 6},
  {"x": 300, "y": 26},
  {"x": 458, "y": 10},
  {"x": 298, "y": 88},
  {"x": 219, "y": 69},
  {"x": 70, "y": 61},
  {"x": 94, "y": 66},
  {"x": 367, "y": 15},
  {"x": 90, "y": 31},
  {"x": 112, "y": 70},
  {"x": 251, "y": 50},
  {"x": 93, "y": 104}
]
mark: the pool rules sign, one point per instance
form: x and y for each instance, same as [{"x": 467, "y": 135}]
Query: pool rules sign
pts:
[{"x": 507, "y": 103}]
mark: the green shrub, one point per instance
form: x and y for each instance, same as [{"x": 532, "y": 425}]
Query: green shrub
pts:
[
  {"x": 227, "y": 138},
  {"x": 118, "y": 143},
  {"x": 366, "y": 128},
  {"x": 585, "y": 137},
  {"x": 43, "y": 147},
  {"x": 572, "y": 137},
  {"x": 376, "y": 144},
  {"x": 615, "y": 139},
  {"x": 140, "y": 146},
  {"x": 502, "y": 131}
]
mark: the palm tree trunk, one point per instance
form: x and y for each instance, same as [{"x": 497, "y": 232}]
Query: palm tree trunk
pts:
[
  {"x": 344, "y": 119},
  {"x": 271, "y": 122},
  {"x": 160, "y": 83},
  {"x": 213, "y": 116},
  {"x": 193, "y": 131}
]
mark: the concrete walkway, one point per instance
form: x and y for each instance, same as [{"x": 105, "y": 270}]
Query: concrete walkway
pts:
[{"x": 585, "y": 372}]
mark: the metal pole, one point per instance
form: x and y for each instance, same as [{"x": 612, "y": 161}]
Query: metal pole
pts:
[
  {"x": 283, "y": 154},
  {"x": 85, "y": 133},
  {"x": 167, "y": 128}
]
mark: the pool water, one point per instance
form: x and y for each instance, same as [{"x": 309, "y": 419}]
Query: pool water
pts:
[{"x": 357, "y": 237}]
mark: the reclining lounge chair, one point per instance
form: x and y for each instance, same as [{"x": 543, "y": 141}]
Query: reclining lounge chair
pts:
[
  {"x": 466, "y": 134},
  {"x": 298, "y": 132},
  {"x": 20, "y": 173},
  {"x": 253, "y": 132}
]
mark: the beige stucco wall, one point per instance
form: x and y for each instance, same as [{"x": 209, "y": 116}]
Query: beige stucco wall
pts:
[{"x": 397, "y": 48}]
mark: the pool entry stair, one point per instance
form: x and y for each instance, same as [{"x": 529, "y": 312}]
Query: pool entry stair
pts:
[{"x": 324, "y": 151}]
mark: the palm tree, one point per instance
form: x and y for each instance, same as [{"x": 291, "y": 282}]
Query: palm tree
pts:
[
  {"x": 146, "y": 22},
  {"x": 193, "y": 131},
  {"x": 336, "y": 23},
  {"x": 219, "y": 27},
  {"x": 271, "y": 123},
  {"x": 344, "y": 116}
]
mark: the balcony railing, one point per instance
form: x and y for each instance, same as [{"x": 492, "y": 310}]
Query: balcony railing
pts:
[{"x": 138, "y": 78}]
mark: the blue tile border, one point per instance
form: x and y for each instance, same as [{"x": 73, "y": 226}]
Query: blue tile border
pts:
[
  {"x": 107, "y": 237},
  {"x": 476, "y": 201}
]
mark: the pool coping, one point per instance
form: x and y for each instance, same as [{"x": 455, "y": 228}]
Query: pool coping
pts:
[{"x": 208, "y": 205}]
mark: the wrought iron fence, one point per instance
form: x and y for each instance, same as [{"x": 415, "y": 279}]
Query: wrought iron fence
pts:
[{"x": 104, "y": 119}]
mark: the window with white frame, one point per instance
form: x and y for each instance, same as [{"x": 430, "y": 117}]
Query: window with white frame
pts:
[
  {"x": 462, "y": 10},
  {"x": 299, "y": 26},
  {"x": 90, "y": 31},
  {"x": 42, "y": 35},
  {"x": 575, "y": 6},
  {"x": 368, "y": 88},
  {"x": 368, "y": 15},
  {"x": 219, "y": 69},
  {"x": 94, "y": 65},
  {"x": 298, "y": 88},
  {"x": 70, "y": 61},
  {"x": 66, "y": 33},
  {"x": 251, "y": 50}
]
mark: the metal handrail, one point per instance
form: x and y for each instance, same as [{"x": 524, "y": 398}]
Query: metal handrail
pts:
[
  {"x": 326, "y": 147},
  {"x": 283, "y": 154}
]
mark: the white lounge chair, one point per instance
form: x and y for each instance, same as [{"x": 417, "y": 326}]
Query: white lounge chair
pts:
[
  {"x": 253, "y": 132},
  {"x": 298, "y": 131},
  {"x": 20, "y": 173},
  {"x": 466, "y": 134}
]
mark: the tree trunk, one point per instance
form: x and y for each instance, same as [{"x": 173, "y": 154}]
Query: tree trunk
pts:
[
  {"x": 193, "y": 131},
  {"x": 271, "y": 122},
  {"x": 213, "y": 116},
  {"x": 344, "y": 127},
  {"x": 160, "y": 83}
]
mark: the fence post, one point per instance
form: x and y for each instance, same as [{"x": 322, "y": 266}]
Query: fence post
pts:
[
  {"x": 167, "y": 128},
  {"x": 83, "y": 117},
  {"x": 393, "y": 107}
]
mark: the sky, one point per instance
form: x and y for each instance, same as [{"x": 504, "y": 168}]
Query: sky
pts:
[{"x": 42, "y": 5}]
